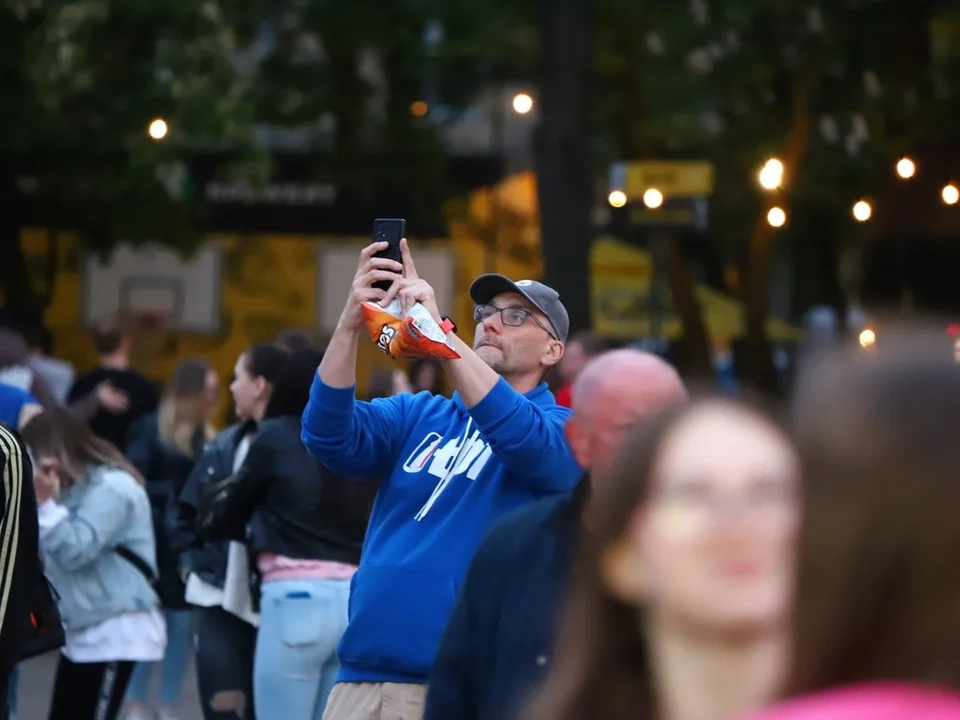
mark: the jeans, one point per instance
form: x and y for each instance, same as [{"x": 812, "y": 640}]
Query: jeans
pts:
[
  {"x": 296, "y": 664},
  {"x": 225, "y": 647},
  {"x": 173, "y": 667}
]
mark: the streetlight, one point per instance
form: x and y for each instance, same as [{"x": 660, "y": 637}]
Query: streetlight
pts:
[
  {"x": 617, "y": 198},
  {"x": 522, "y": 103},
  {"x": 950, "y": 194},
  {"x": 776, "y": 217},
  {"x": 862, "y": 211},
  {"x": 653, "y": 198},
  {"x": 771, "y": 174},
  {"x": 418, "y": 108},
  {"x": 157, "y": 129},
  {"x": 867, "y": 338},
  {"x": 906, "y": 168}
]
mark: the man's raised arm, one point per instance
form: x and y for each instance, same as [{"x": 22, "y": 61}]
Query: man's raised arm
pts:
[{"x": 354, "y": 439}]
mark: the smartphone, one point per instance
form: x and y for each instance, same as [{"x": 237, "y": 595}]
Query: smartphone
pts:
[{"x": 390, "y": 230}]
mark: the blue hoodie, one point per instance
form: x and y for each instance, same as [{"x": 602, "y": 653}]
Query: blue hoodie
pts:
[{"x": 447, "y": 474}]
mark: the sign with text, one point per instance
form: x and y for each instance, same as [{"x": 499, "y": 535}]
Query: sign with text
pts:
[
  {"x": 675, "y": 213},
  {"x": 673, "y": 178}
]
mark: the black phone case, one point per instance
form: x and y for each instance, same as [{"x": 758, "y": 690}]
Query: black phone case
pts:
[{"x": 390, "y": 230}]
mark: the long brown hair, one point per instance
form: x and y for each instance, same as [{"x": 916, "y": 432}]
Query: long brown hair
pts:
[
  {"x": 61, "y": 433},
  {"x": 878, "y": 585},
  {"x": 601, "y": 668},
  {"x": 184, "y": 411}
]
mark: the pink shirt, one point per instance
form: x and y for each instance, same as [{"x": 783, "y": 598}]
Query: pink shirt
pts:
[
  {"x": 277, "y": 567},
  {"x": 875, "y": 701}
]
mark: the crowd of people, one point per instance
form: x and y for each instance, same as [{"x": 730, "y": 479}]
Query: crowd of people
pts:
[{"x": 624, "y": 547}]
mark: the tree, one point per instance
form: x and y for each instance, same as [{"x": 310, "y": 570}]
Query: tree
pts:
[
  {"x": 563, "y": 161},
  {"x": 83, "y": 81},
  {"x": 835, "y": 89}
]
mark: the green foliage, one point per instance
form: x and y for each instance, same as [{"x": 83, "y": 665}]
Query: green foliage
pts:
[
  {"x": 717, "y": 80},
  {"x": 86, "y": 79}
]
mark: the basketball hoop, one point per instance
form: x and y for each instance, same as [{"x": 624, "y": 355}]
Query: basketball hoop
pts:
[{"x": 151, "y": 320}]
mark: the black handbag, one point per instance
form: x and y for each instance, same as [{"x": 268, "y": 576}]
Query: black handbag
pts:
[{"x": 43, "y": 627}]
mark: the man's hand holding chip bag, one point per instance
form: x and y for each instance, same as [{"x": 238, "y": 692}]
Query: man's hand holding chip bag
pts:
[{"x": 404, "y": 322}]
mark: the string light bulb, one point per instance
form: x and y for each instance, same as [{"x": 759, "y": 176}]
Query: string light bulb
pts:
[
  {"x": 906, "y": 168},
  {"x": 862, "y": 211},
  {"x": 950, "y": 194},
  {"x": 776, "y": 217}
]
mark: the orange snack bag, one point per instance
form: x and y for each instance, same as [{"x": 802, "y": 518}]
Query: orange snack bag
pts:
[{"x": 412, "y": 335}]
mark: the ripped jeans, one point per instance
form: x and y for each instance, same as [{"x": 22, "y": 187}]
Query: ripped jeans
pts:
[{"x": 224, "y": 657}]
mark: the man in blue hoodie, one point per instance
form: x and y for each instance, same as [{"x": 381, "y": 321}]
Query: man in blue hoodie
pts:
[{"x": 448, "y": 469}]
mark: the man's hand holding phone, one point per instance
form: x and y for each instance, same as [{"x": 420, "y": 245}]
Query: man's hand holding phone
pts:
[
  {"x": 410, "y": 288},
  {"x": 370, "y": 270}
]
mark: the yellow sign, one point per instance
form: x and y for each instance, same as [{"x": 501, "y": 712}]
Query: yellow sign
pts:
[
  {"x": 680, "y": 178},
  {"x": 663, "y": 216},
  {"x": 620, "y": 277}
]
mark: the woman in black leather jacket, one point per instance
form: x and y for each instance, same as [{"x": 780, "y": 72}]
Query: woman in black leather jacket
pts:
[
  {"x": 217, "y": 573},
  {"x": 305, "y": 526},
  {"x": 164, "y": 446}
]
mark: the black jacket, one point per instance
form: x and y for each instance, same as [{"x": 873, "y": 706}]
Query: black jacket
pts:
[
  {"x": 500, "y": 637},
  {"x": 207, "y": 560},
  {"x": 166, "y": 469},
  {"x": 286, "y": 502}
]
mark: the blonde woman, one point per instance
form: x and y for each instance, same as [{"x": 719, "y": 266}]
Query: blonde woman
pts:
[
  {"x": 164, "y": 446},
  {"x": 97, "y": 542}
]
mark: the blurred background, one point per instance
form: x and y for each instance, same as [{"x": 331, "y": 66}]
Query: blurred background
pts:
[{"x": 723, "y": 181}]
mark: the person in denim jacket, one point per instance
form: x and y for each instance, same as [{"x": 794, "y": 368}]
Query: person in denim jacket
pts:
[{"x": 97, "y": 542}]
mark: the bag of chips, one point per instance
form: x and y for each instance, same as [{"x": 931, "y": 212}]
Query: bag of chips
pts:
[{"x": 413, "y": 334}]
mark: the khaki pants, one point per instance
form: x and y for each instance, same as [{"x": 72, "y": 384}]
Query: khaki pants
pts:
[{"x": 376, "y": 701}]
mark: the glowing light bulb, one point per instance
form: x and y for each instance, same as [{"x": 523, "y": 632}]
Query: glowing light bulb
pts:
[
  {"x": 906, "y": 168},
  {"x": 522, "y": 103},
  {"x": 771, "y": 174},
  {"x": 950, "y": 194},
  {"x": 776, "y": 217},
  {"x": 157, "y": 129},
  {"x": 862, "y": 211},
  {"x": 653, "y": 198},
  {"x": 617, "y": 198}
]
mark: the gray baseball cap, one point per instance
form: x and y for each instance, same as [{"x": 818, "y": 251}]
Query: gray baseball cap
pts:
[{"x": 544, "y": 298}]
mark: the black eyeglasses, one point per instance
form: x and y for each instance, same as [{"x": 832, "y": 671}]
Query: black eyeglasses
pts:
[{"x": 512, "y": 316}]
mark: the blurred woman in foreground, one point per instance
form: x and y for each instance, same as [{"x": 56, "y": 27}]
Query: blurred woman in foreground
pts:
[
  {"x": 876, "y": 623},
  {"x": 678, "y": 610}
]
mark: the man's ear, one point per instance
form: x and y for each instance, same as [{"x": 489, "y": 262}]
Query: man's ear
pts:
[
  {"x": 552, "y": 353},
  {"x": 577, "y": 437}
]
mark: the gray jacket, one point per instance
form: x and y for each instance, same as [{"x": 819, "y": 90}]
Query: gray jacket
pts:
[{"x": 106, "y": 508}]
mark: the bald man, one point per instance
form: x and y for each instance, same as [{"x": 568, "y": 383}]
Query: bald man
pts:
[{"x": 499, "y": 639}]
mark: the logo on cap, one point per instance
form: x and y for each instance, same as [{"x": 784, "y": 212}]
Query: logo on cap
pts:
[{"x": 524, "y": 283}]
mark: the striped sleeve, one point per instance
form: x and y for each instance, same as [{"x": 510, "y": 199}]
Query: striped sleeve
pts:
[{"x": 12, "y": 486}]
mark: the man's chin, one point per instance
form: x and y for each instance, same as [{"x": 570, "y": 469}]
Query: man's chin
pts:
[{"x": 491, "y": 355}]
